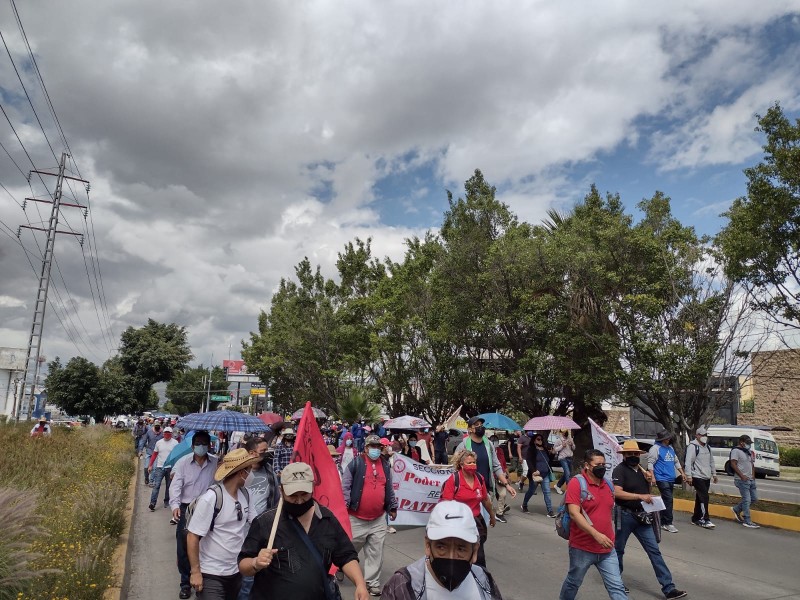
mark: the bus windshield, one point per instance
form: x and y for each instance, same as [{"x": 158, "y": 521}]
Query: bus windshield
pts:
[{"x": 768, "y": 446}]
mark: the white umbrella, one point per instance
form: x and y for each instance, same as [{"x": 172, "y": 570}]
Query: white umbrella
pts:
[{"x": 406, "y": 422}]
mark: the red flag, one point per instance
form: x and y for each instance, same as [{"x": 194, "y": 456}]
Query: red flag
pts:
[{"x": 310, "y": 448}]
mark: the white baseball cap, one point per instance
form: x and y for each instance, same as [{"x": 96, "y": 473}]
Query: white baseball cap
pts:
[
  {"x": 452, "y": 519},
  {"x": 167, "y": 429}
]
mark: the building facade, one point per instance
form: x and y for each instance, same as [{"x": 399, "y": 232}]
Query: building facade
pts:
[{"x": 12, "y": 369}]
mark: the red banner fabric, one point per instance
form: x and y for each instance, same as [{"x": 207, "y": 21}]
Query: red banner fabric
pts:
[{"x": 310, "y": 448}]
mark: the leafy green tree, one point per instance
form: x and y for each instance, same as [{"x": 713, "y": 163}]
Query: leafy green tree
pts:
[
  {"x": 187, "y": 390},
  {"x": 77, "y": 389},
  {"x": 761, "y": 242},
  {"x": 356, "y": 406},
  {"x": 154, "y": 352}
]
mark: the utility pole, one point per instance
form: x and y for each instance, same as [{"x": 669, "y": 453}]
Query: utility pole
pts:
[{"x": 33, "y": 362}]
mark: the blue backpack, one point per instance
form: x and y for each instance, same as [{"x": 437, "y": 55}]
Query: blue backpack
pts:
[{"x": 562, "y": 515}]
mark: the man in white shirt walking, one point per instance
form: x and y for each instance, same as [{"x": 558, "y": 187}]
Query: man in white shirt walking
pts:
[
  {"x": 214, "y": 540},
  {"x": 156, "y": 467}
]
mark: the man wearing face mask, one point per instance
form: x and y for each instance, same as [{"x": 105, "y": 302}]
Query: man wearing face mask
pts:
[
  {"x": 744, "y": 478},
  {"x": 448, "y": 569},
  {"x": 488, "y": 464},
  {"x": 159, "y": 457},
  {"x": 309, "y": 539},
  {"x": 663, "y": 462},
  {"x": 213, "y": 541},
  {"x": 368, "y": 495},
  {"x": 631, "y": 488},
  {"x": 701, "y": 471},
  {"x": 591, "y": 535},
  {"x": 282, "y": 454},
  {"x": 191, "y": 476}
]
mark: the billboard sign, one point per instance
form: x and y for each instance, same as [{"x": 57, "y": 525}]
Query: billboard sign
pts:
[
  {"x": 234, "y": 367},
  {"x": 258, "y": 391}
]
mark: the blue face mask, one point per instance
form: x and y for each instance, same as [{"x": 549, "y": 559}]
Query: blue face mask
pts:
[
  {"x": 412, "y": 443},
  {"x": 531, "y": 433},
  {"x": 374, "y": 453},
  {"x": 348, "y": 442},
  {"x": 201, "y": 450},
  {"x": 748, "y": 446}
]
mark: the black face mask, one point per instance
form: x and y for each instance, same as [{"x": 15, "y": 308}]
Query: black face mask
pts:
[
  {"x": 451, "y": 572},
  {"x": 480, "y": 432},
  {"x": 298, "y": 510},
  {"x": 599, "y": 471},
  {"x": 632, "y": 461}
]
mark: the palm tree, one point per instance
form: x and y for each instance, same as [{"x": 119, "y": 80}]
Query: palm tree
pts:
[{"x": 357, "y": 406}]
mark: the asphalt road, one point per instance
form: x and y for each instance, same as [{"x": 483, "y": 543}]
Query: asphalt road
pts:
[
  {"x": 529, "y": 560},
  {"x": 768, "y": 489}
]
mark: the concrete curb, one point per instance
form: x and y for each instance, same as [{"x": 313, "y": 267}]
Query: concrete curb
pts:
[
  {"x": 120, "y": 561},
  {"x": 724, "y": 512}
]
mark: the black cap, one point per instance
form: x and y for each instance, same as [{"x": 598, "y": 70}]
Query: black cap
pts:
[
  {"x": 746, "y": 439},
  {"x": 474, "y": 420}
]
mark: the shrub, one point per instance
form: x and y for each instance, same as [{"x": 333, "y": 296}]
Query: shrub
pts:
[
  {"x": 790, "y": 457},
  {"x": 19, "y": 530},
  {"x": 99, "y": 511}
]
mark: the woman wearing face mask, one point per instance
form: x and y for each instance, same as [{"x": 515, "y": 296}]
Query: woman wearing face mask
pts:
[
  {"x": 564, "y": 448},
  {"x": 347, "y": 451},
  {"x": 411, "y": 450},
  {"x": 539, "y": 474},
  {"x": 468, "y": 486}
]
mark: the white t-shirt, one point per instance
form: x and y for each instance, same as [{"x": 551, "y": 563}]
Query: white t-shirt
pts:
[
  {"x": 219, "y": 549},
  {"x": 468, "y": 590},
  {"x": 163, "y": 447}
]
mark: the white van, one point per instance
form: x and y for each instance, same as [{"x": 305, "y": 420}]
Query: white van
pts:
[{"x": 722, "y": 438}]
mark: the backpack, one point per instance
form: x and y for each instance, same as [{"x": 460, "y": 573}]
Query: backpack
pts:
[
  {"x": 562, "y": 515},
  {"x": 457, "y": 482},
  {"x": 728, "y": 467},
  {"x": 220, "y": 497}
]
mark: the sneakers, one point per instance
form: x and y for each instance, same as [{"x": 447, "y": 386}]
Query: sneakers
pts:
[
  {"x": 521, "y": 486},
  {"x": 374, "y": 590},
  {"x": 501, "y": 518},
  {"x": 676, "y": 594},
  {"x": 392, "y": 530},
  {"x": 751, "y": 525},
  {"x": 551, "y": 514},
  {"x": 707, "y": 524},
  {"x": 152, "y": 507},
  {"x": 671, "y": 528},
  {"x": 173, "y": 521},
  {"x": 737, "y": 515},
  {"x": 559, "y": 491},
  {"x": 626, "y": 588},
  {"x": 525, "y": 509}
]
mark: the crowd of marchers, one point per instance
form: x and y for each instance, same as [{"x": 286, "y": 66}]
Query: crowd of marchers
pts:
[{"x": 248, "y": 527}]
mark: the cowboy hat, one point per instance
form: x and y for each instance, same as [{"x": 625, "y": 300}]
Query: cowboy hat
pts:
[
  {"x": 631, "y": 446},
  {"x": 235, "y": 461}
]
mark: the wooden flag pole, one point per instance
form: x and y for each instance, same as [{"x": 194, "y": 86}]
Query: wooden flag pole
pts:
[{"x": 275, "y": 524}]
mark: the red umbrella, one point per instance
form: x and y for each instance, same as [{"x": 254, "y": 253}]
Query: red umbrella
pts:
[{"x": 270, "y": 418}]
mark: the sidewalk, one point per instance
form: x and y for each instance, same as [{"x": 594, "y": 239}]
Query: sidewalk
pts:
[{"x": 153, "y": 572}]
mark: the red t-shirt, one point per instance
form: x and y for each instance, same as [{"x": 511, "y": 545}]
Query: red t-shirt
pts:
[
  {"x": 471, "y": 496},
  {"x": 373, "y": 495},
  {"x": 598, "y": 505}
]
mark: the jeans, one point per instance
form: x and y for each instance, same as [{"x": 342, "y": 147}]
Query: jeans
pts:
[
  {"x": 247, "y": 585},
  {"x": 440, "y": 457},
  {"x": 155, "y": 478},
  {"x": 701, "y": 487},
  {"x": 565, "y": 463},
  {"x": 218, "y": 587},
  {"x": 647, "y": 538},
  {"x": 147, "y": 454},
  {"x": 184, "y": 568},
  {"x": 666, "y": 487},
  {"x": 608, "y": 566},
  {"x": 748, "y": 491},
  {"x": 545, "y": 483}
]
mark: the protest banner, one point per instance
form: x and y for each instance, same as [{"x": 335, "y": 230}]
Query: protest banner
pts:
[
  {"x": 310, "y": 448},
  {"x": 417, "y": 488},
  {"x": 608, "y": 445}
]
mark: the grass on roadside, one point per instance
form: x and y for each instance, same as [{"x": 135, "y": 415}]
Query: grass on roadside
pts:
[{"x": 75, "y": 483}]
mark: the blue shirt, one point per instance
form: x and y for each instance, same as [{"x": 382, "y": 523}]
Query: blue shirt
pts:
[{"x": 662, "y": 460}]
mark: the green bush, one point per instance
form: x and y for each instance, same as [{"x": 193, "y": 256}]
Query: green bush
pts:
[{"x": 790, "y": 457}]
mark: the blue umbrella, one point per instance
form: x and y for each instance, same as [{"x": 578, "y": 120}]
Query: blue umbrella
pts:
[
  {"x": 497, "y": 421},
  {"x": 183, "y": 448},
  {"x": 222, "y": 420}
]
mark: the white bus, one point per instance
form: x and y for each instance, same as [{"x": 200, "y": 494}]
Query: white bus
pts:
[{"x": 722, "y": 438}]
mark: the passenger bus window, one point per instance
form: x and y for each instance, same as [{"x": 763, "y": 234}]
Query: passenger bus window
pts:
[{"x": 763, "y": 445}]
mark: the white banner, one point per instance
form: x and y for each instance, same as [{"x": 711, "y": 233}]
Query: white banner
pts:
[
  {"x": 608, "y": 445},
  {"x": 417, "y": 488}
]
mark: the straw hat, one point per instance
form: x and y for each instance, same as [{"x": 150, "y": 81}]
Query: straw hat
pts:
[
  {"x": 235, "y": 461},
  {"x": 332, "y": 450},
  {"x": 631, "y": 446}
]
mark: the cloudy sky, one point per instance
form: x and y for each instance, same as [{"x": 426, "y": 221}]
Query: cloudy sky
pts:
[{"x": 224, "y": 141}]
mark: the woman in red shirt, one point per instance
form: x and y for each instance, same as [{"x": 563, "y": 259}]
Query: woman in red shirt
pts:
[{"x": 466, "y": 485}]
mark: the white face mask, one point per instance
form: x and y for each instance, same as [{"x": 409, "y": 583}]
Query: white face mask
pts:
[{"x": 704, "y": 439}]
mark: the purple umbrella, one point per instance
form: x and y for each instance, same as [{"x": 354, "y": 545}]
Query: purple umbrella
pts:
[{"x": 550, "y": 422}]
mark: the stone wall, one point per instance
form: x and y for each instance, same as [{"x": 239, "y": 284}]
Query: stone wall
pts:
[
  {"x": 619, "y": 420},
  {"x": 776, "y": 394}
]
